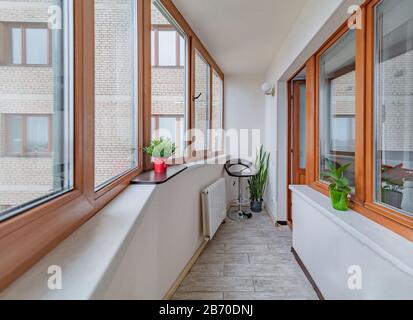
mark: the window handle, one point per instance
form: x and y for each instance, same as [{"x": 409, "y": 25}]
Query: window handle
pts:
[{"x": 199, "y": 96}]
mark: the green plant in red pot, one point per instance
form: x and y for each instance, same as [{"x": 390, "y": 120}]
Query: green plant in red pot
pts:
[
  {"x": 339, "y": 188},
  {"x": 160, "y": 150}
]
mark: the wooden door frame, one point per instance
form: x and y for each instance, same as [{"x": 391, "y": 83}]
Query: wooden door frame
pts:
[{"x": 290, "y": 107}]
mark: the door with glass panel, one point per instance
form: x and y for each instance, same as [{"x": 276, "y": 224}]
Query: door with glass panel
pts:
[{"x": 299, "y": 137}]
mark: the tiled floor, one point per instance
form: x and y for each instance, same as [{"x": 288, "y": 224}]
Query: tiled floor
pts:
[{"x": 249, "y": 260}]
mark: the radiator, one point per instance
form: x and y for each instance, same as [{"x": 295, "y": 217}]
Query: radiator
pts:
[{"x": 214, "y": 207}]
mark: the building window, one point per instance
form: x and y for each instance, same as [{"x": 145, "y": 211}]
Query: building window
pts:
[
  {"x": 36, "y": 108},
  {"x": 169, "y": 89},
  {"x": 116, "y": 101},
  {"x": 168, "y": 46},
  {"x": 394, "y": 105},
  {"x": 170, "y": 126},
  {"x": 337, "y": 105},
  {"x": 28, "y": 135},
  {"x": 26, "y": 44}
]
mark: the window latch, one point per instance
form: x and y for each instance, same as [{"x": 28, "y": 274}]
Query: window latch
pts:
[{"x": 199, "y": 96}]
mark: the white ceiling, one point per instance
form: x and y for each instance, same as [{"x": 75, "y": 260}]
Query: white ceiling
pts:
[{"x": 242, "y": 35}]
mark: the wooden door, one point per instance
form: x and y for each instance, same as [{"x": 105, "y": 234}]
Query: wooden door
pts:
[{"x": 299, "y": 131}]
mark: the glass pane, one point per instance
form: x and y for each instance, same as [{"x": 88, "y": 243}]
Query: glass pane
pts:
[
  {"x": 217, "y": 102},
  {"x": 16, "y": 46},
  {"x": 153, "y": 48},
  {"x": 37, "y": 46},
  {"x": 182, "y": 51},
  {"x": 303, "y": 126},
  {"x": 202, "y": 88},
  {"x": 168, "y": 84},
  {"x": 26, "y": 179},
  {"x": 14, "y": 134},
  {"x": 167, "y": 48},
  {"x": 394, "y": 104},
  {"x": 338, "y": 102},
  {"x": 115, "y": 90},
  {"x": 37, "y": 131},
  {"x": 168, "y": 127}
]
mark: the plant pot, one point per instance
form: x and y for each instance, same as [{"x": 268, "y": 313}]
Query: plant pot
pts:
[
  {"x": 256, "y": 206},
  {"x": 339, "y": 200},
  {"x": 392, "y": 198},
  {"x": 160, "y": 166}
]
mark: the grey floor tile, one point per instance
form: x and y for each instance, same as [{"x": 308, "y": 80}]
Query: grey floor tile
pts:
[
  {"x": 252, "y": 270},
  {"x": 236, "y": 258},
  {"x": 247, "y": 248},
  {"x": 209, "y": 269},
  {"x": 195, "y": 283}
]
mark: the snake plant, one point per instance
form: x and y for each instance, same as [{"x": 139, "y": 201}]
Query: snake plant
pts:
[{"x": 258, "y": 183}]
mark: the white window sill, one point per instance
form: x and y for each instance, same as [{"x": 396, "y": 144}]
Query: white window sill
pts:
[{"x": 373, "y": 235}]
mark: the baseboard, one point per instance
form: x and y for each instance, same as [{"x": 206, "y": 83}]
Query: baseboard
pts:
[
  {"x": 184, "y": 273},
  {"x": 282, "y": 223},
  {"x": 307, "y": 274}
]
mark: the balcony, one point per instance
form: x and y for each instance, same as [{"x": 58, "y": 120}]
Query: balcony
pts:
[{"x": 97, "y": 100}]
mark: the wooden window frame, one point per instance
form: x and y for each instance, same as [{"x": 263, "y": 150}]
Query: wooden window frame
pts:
[
  {"x": 24, "y": 153},
  {"x": 363, "y": 201},
  {"x": 35, "y": 232},
  {"x": 159, "y": 27},
  {"x": 192, "y": 42},
  {"x": 23, "y": 26}
]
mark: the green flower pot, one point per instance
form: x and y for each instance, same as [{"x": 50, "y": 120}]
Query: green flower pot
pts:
[{"x": 339, "y": 200}]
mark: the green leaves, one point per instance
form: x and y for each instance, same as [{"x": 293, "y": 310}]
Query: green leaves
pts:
[
  {"x": 258, "y": 183},
  {"x": 161, "y": 148},
  {"x": 336, "y": 173}
]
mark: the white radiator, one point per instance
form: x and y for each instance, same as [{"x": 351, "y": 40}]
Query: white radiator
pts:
[{"x": 214, "y": 207}]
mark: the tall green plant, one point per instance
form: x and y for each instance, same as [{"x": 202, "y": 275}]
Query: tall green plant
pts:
[{"x": 258, "y": 183}]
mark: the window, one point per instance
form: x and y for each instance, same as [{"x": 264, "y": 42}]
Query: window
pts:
[
  {"x": 168, "y": 47},
  {"x": 217, "y": 101},
  {"x": 116, "y": 106},
  {"x": 36, "y": 110},
  {"x": 394, "y": 105},
  {"x": 90, "y": 163},
  {"x": 169, "y": 126},
  {"x": 201, "y": 102},
  {"x": 27, "y": 135},
  {"x": 337, "y": 105},
  {"x": 169, "y": 89},
  {"x": 26, "y": 43}
]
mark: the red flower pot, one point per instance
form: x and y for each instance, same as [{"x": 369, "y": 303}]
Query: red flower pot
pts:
[{"x": 160, "y": 166}]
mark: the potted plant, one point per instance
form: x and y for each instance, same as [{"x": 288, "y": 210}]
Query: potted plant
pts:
[
  {"x": 160, "y": 150},
  {"x": 339, "y": 188},
  {"x": 258, "y": 183}
]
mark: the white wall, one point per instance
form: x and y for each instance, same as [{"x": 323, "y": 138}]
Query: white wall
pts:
[
  {"x": 337, "y": 247},
  {"x": 317, "y": 21},
  {"x": 244, "y": 109},
  {"x": 166, "y": 238}
]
